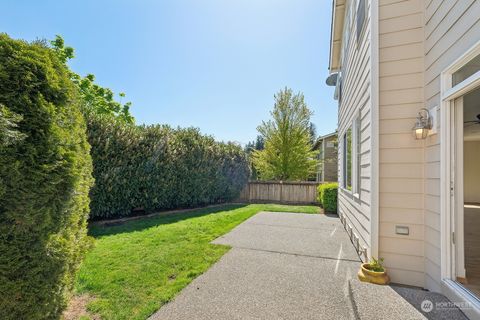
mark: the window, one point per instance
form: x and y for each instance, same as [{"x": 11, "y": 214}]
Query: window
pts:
[
  {"x": 352, "y": 157},
  {"x": 357, "y": 140},
  {"x": 466, "y": 71},
  {"x": 360, "y": 19},
  {"x": 347, "y": 159}
]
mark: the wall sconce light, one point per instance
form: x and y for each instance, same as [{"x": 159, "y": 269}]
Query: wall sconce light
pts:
[{"x": 422, "y": 125}]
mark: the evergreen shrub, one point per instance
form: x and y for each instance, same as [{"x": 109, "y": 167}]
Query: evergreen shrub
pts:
[
  {"x": 45, "y": 172},
  {"x": 149, "y": 168},
  {"x": 327, "y": 196}
]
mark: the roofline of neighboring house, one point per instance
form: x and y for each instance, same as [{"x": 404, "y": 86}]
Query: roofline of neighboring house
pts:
[
  {"x": 321, "y": 138},
  {"x": 336, "y": 32},
  {"x": 327, "y": 135}
]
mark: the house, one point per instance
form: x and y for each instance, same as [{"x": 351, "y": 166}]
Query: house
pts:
[
  {"x": 407, "y": 77},
  {"x": 327, "y": 156}
]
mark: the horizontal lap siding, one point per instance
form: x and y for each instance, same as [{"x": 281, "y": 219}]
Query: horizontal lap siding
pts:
[
  {"x": 451, "y": 28},
  {"x": 401, "y": 158},
  {"x": 356, "y": 101},
  {"x": 330, "y": 160}
]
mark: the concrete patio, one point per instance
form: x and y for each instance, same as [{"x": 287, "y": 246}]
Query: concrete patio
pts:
[{"x": 294, "y": 266}]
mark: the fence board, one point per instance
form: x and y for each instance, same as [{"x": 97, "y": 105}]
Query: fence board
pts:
[{"x": 302, "y": 192}]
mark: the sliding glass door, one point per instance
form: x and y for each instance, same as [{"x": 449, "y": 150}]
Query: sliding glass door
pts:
[{"x": 466, "y": 191}]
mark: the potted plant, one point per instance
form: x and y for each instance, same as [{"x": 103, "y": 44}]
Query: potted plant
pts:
[{"x": 373, "y": 272}]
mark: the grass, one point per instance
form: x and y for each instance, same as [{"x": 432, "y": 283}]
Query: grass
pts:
[{"x": 136, "y": 267}]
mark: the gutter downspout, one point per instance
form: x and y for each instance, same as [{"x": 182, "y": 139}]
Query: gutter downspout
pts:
[{"x": 374, "y": 96}]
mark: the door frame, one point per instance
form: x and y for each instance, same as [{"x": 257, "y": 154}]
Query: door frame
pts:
[
  {"x": 452, "y": 289},
  {"x": 457, "y": 196}
]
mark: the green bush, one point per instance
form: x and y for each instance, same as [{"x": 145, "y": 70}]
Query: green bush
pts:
[
  {"x": 327, "y": 196},
  {"x": 45, "y": 171},
  {"x": 150, "y": 168},
  {"x": 319, "y": 195}
]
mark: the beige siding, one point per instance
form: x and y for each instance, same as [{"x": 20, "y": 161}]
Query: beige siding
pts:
[
  {"x": 401, "y": 158},
  {"x": 417, "y": 40},
  {"x": 330, "y": 161},
  {"x": 451, "y": 28},
  {"x": 356, "y": 101}
]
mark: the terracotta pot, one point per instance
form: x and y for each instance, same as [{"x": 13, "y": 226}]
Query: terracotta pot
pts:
[{"x": 367, "y": 275}]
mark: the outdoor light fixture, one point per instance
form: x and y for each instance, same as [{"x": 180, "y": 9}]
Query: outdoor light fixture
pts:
[{"x": 423, "y": 124}]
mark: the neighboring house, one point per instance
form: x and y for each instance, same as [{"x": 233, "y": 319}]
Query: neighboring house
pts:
[
  {"x": 412, "y": 200},
  {"x": 328, "y": 158}
]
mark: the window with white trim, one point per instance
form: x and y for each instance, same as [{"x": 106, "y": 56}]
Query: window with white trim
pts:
[
  {"x": 347, "y": 159},
  {"x": 361, "y": 15},
  {"x": 467, "y": 70},
  {"x": 357, "y": 146},
  {"x": 351, "y": 157}
]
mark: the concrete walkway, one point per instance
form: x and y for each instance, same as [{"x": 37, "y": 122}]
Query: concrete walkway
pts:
[{"x": 288, "y": 266}]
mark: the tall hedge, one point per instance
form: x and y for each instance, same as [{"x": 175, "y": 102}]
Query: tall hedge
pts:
[
  {"x": 148, "y": 168},
  {"x": 46, "y": 176}
]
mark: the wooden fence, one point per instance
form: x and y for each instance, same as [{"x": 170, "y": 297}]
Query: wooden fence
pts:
[{"x": 303, "y": 192}]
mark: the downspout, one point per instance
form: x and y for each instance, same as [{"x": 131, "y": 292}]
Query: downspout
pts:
[{"x": 374, "y": 96}]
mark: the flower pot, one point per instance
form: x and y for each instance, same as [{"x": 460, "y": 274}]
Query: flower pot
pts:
[{"x": 367, "y": 275}]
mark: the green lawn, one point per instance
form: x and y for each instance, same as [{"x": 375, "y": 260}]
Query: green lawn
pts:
[{"x": 136, "y": 267}]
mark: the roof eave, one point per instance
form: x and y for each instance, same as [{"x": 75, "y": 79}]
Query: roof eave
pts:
[
  {"x": 329, "y": 135},
  {"x": 338, "y": 15}
]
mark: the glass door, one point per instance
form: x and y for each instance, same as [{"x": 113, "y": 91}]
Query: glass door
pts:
[{"x": 466, "y": 195}]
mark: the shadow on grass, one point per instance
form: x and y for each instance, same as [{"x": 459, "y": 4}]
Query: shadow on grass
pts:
[{"x": 148, "y": 222}]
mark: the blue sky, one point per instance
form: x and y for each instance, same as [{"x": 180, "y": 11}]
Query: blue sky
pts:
[{"x": 212, "y": 64}]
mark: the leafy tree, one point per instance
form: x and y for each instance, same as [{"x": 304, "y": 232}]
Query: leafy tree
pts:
[
  {"x": 96, "y": 99},
  {"x": 64, "y": 53},
  {"x": 288, "y": 151}
]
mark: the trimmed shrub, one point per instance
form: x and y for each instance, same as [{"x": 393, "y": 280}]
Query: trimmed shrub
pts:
[
  {"x": 319, "y": 195},
  {"x": 45, "y": 170},
  {"x": 327, "y": 196},
  {"x": 148, "y": 168}
]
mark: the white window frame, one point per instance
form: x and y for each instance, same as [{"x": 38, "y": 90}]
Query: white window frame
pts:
[
  {"x": 355, "y": 126},
  {"x": 359, "y": 33},
  {"x": 449, "y": 93},
  {"x": 344, "y": 161},
  {"x": 356, "y": 140}
]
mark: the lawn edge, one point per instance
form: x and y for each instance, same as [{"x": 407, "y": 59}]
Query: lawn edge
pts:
[
  {"x": 175, "y": 211},
  {"x": 158, "y": 214}
]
